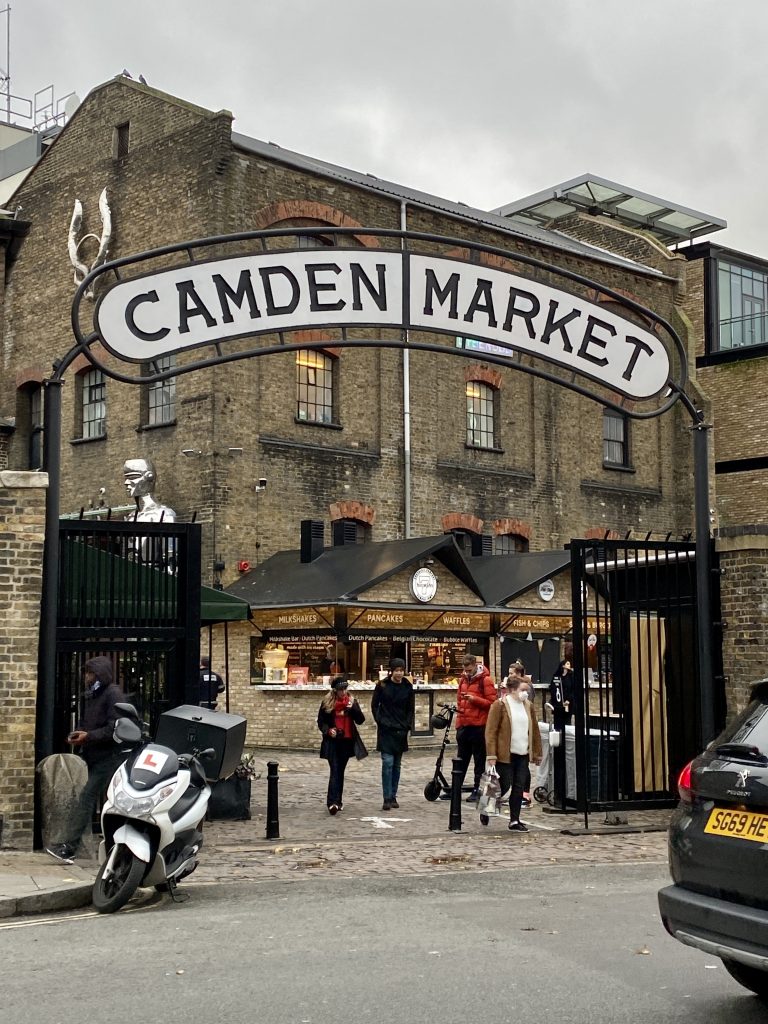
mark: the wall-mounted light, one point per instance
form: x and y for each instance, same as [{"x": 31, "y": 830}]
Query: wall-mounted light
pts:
[
  {"x": 191, "y": 452},
  {"x": 261, "y": 485}
]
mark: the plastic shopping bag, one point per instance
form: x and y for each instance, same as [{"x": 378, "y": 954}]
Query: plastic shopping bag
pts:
[{"x": 490, "y": 793}]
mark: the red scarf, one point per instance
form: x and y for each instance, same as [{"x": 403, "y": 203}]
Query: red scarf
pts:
[{"x": 343, "y": 722}]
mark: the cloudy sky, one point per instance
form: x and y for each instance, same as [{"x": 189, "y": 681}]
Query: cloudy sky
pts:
[{"x": 482, "y": 101}]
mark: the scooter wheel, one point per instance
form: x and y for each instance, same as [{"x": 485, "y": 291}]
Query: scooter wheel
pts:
[
  {"x": 432, "y": 790},
  {"x": 484, "y": 819},
  {"x": 540, "y": 794},
  {"x": 110, "y": 894}
]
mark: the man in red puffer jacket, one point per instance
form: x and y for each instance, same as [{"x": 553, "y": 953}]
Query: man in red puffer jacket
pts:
[{"x": 477, "y": 693}]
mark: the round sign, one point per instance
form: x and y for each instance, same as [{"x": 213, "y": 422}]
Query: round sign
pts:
[
  {"x": 424, "y": 585},
  {"x": 546, "y": 590},
  {"x": 591, "y": 641}
]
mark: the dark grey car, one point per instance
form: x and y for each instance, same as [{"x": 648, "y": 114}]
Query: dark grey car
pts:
[{"x": 718, "y": 849}]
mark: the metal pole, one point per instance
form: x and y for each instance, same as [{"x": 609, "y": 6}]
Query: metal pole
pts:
[
  {"x": 273, "y": 815},
  {"x": 454, "y": 821},
  {"x": 49, "y": 598},
  {"x": 703, "y": 577}
]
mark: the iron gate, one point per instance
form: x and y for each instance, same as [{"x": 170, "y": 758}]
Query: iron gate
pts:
[
  {"x": 637, "y": 693},
  {"x": 129, "y": 591}
]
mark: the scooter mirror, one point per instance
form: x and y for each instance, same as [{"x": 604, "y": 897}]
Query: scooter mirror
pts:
[
  {"x": 126, "y": 731},
  {"x": 128, "y": 710},
  {"x": 207, "y": 755}
]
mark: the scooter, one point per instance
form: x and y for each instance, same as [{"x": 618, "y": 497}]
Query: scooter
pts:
[
  {"x": 438, "y": 783},
  {"x": 152, "y": 818}
]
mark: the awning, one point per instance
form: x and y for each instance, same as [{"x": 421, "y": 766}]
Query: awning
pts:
[{"x": 219, "y": 606}]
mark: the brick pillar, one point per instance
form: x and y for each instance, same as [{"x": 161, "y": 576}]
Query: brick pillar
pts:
[
  {"x": 22, "y": 527},
  {"x": 743, "y": 554}
]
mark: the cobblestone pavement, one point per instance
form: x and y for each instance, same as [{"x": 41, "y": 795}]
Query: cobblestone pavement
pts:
[{"x": 413, "y": 840}]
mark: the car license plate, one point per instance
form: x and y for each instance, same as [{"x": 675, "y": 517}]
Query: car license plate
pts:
[{"x": 738, "y": 825}]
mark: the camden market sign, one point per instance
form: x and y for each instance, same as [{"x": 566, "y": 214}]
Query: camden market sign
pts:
[{"x": 210, "y": 302}]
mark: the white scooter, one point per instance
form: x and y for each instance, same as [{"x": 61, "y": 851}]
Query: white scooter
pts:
[{"x": 152, "y": 818}]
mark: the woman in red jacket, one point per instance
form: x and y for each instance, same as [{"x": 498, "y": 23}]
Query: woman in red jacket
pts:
[{"x": 475, "y": 697}]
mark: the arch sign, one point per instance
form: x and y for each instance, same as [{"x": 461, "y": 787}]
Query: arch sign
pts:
[{"x": 207, "y": 302}]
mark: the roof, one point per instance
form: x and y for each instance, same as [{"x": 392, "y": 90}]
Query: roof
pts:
[
  {"x": 343, "y": 573},
  {"x": 526, "y": 230},
  {"x": 669, "y": 222}
]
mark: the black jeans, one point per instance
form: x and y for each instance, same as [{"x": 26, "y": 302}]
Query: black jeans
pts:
[
  {"x": 470, "y": 740},
  {"x": 512, "y": 778},
  {"x": 340, "y": 752},
  {"x": 99, "y": 774}
]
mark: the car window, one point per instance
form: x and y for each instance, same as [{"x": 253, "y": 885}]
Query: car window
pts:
[{"x": 751, "y": 727}]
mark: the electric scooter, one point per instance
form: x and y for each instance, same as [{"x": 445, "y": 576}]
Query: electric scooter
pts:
[
  {"x": 438, "y": 783},
  {"x": 152, "y": 818}
]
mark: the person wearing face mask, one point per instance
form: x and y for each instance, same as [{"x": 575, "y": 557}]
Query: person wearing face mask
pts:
[
  {"x": 393, "y": 709},
  {"x": 512, "y": 739},
  {"x": 528, "y": 693}
]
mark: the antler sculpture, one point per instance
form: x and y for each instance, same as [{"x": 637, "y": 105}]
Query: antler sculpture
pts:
[{"x": 82, "y": 269}]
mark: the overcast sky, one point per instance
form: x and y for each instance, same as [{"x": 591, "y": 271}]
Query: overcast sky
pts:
[{"x": 482, "y": 101}]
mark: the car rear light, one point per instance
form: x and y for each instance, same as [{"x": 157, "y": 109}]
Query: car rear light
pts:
[{"x": 684, "y": 784}]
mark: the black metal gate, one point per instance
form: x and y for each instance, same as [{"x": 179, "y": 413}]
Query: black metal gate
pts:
[
  {"x": 637, "y": 694},
  {"x": 129, "y": 591}
]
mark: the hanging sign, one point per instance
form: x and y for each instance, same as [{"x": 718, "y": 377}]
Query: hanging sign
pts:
[{"x": 207, "y": 303}]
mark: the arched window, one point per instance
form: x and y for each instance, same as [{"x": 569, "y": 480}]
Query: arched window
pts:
[
  {"x": 91, "y": 408},
  {"x": 315, "y": 387},
  {"x": 29, "y": 425},
  {"x": 481, "y": 415},
  {"x": 510, "y": 544}
]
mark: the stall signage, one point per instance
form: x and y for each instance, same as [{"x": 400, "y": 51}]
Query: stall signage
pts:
[
  {"x": 424, "y": 585},
  {"x": 292, "y": 619},
  {"x": 210, "y": 302},
  {"x": 382, "y": 619},
  {"x": 547, "y": 624}
]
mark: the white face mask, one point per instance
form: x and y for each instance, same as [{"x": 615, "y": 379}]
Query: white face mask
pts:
[{"x": 523, "y": 694}]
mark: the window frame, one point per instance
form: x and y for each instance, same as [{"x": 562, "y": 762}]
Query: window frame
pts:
[
  {"x": 83, "y": 393},
  {"x": 520, "y": 544},
  {"x": 739, "y": 324},
  {"x": 625, "y": 463},
  {"x": 148, "y": 391},
  {"x": 329, "y": 386},
  {"x": 487, "y": 398}
]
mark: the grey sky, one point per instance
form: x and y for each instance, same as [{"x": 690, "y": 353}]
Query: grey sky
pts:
[{"x": 482, "y": 101}]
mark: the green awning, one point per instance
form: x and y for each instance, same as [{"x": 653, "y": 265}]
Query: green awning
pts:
[{"x": 219, "y": 606}]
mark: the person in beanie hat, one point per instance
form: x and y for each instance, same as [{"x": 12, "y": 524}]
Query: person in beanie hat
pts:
[
  {"x": 393, "y": 708},
  {"x": 338, "y": 719},
  {"x": 94, "y": 738}
]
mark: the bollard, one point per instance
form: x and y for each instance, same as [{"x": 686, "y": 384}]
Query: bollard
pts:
[
  {"x": 273, "y": 814},
  {"x": 454, "y": 821}
]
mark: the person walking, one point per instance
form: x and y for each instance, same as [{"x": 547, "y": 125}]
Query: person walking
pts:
[
  {"x": 512, "y": 738},
  {"x": 527, "y": 692},
  {"x": 97, "y": 748},
  {"x": 393, "y": 708},
  {"x": 476, "y": 695},
  {"x": 211, "y": 684},
  {"x": 338, "y": 719}
]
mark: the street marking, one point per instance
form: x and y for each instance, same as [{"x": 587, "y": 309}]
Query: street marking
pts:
[
  {"x": 150, "y": 901},
  {"x": 384, "y": 822}
]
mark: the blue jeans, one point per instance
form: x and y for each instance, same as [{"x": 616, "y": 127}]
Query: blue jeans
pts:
[{"x": 390, "y": 774}]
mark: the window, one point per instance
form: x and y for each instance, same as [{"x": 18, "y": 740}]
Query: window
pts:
[
  {"x": 615, "y": 438},
  {"x": 743, "y": 299},
  {"x": 480, "y": 415},
  {"x": 161, "y": 394},
  {"x": 313, "y": 241},
  {"x": 122, "y": 140},
  {"x": 93, "y": 404},
  {"x": 314, "y": 386},
  {"x": 35, "y": 428},
  {"x": 510, "y": 544}
]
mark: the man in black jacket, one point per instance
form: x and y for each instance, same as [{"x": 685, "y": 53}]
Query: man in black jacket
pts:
[
  {"x": 392, "y": 707},
  {"x": 97, "y": 748},
  {"x": 211, "y": 684}
]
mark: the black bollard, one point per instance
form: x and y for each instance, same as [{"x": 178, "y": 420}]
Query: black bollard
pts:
[
  {"x": 273, "y": 814},
  {"x": 454, "y": 821}
]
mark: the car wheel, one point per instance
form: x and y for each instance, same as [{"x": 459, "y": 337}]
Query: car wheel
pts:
[{"x": 750, "y": 977}]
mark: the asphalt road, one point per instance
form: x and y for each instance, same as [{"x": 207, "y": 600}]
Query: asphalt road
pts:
[{"x": 568, "y": 944}]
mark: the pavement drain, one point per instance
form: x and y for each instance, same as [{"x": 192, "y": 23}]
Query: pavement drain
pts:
[{"x": 448, "y": 858}]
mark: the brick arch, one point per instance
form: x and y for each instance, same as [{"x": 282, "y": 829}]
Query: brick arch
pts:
[
  {"x": 596, "y": 296},
  {"x": 29, "y": 375},
  {"x": 82, "y": 362},
  {"x": 601, "y": 533},
  {"x": 311, "y": 336},
  {"x": 295, "y": 209},
  {"x": 502, "y": 527},
  {"x": 351, "y": 509},
  {"x": 461, "y": 521},
  {"x": 485, "y": 375}
]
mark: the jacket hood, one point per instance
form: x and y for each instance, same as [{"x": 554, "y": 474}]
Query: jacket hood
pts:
[{"x": 101, "y": 668}]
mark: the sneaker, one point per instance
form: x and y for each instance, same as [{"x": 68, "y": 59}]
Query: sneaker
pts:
[
  {"x": 62, "y": 852},
  {"x": 526, "y": 801},
  {"x": 484, "y": 819},
  {"x": 394, "y": 804},
  {"x": 444, "y": 796},
  {"x": 473, "y": 797},
  {"x": 517, "y": 826},
  {"x": 333, "y": 809},
  {"x": 387, "y": 805}
]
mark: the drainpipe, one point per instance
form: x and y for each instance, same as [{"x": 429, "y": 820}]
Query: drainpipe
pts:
[{"x": 406, "y": 407}]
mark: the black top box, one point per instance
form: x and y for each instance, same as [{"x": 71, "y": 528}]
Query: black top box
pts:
[{"x": 189, "y": 728}]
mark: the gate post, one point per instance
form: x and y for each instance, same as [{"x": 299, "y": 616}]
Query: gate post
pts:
[{"x": 703, "y": 576}]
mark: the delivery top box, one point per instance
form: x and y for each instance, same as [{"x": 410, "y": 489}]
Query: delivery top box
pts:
[{"x": 189, "y": 728}]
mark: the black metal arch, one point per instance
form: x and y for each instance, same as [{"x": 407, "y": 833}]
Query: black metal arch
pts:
[{"x": 514, "y": 361}]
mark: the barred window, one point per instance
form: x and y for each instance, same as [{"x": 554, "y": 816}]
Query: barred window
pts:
[
  {"x": 314, "y": 386},
  {"x": 510, "y": 544},
  {"x": 480, "y": 415},
  {"x": 94, "y": 404},
  {"x": 161, "y": 394},
  {"x": 615, "y": 438},
  {"x": 36, "y": 428}
]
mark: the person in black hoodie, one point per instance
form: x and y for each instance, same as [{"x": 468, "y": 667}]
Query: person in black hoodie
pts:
[
  {"x": 392, "y": 707},
  {"x": 97, "y": 748}
]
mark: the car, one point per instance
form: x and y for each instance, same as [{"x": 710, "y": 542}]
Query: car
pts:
[{"x": 718, "y": 849}]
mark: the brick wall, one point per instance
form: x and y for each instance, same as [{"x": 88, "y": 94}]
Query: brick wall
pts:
[{"x": 22, "y": 525}]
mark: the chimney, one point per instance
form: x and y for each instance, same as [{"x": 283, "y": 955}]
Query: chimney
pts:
[
  {"x": 344, "y": 531},
  {"x": 312, "y": 539}
]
